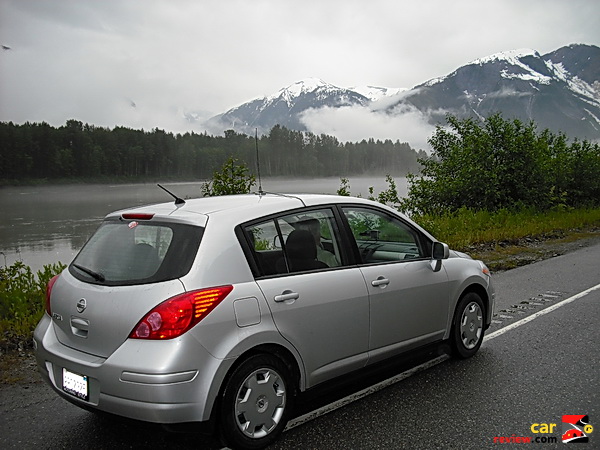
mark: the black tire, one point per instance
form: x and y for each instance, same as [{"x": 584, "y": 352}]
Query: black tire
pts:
[
  {"x": 468, "y": 326},
  {"x": 256, "y": 403}
]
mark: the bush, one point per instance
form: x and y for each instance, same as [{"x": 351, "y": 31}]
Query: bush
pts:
[
  {"x": 234, "y": 178},
  {"x": 22, "y": 298},
  {"x": 388, "y": 197},
  {"x": 504, "y": 164}
]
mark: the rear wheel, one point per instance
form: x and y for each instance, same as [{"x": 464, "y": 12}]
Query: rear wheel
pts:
[
  {"x": 468, "y": 326},
  {"x": 256, "y": 403}
]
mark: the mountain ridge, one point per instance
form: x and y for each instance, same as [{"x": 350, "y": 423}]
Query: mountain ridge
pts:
[{"x": 559, "y": 90}]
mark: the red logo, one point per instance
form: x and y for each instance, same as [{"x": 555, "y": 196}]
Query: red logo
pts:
[{"x": 576, "y": 428}]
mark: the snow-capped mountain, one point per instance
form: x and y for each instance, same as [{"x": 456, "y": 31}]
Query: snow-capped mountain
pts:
[
  {"x": 559, "y": 90},
  {"x": 287, "y": 105}
]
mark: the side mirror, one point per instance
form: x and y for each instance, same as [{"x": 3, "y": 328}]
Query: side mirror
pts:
[
  {"x": 440, "y": 251},
  {"x": 370, "y": 234}
]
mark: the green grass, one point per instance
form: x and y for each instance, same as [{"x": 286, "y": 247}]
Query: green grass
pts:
[{"x": 466, "y": 229}]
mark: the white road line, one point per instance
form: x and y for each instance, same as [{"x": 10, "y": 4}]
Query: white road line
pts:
[
  {"x": 420, "y": 368},
  {"x": 365, "y": 392},
  {"x": 434, "y": 362},
  {"x": 547, "y": 310}
]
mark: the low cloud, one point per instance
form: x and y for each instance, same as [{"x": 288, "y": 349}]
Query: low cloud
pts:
[
  {"x": 386, "y": 102},
  {"x": 355, "y": 123},
  {"x": 508, "y": 92}
]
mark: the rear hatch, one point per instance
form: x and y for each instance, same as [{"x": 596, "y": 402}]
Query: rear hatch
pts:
[{"x": 130, "y": 265}]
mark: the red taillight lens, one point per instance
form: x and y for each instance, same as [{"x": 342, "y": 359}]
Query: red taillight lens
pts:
[
  {"x": 49, "y": 292},
  {"x": 175, "y": 316}
]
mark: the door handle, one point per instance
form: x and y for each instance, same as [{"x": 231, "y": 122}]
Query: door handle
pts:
[
  {"x": 286, "y": 295},
  {"x": 380, "y": 281},
  {"x": 80, "y": 327}
]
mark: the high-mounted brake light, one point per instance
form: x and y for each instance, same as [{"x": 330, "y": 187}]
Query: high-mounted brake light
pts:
[
  {"x": 175, "y": 316},
  {"x": 49, "y": 292},
  {"x": 137, "y": 216}
]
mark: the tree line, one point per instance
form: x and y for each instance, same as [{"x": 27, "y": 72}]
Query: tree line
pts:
[{"x": 34, "y": 151}]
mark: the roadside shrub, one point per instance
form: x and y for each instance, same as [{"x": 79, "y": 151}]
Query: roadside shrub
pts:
[
  {"x": 233, "y": 178},
  {"x": 503, "y": 164},
  {"x": 22, "y": 296},
  {"x": 388, "y": 196}
]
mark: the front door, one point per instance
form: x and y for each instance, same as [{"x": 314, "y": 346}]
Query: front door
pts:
[{"x": 408, "y": 300}]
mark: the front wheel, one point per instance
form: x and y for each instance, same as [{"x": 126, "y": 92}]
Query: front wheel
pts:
[
  {"x": 467, "y": 326},
  {"x": 256, "y": 403}
]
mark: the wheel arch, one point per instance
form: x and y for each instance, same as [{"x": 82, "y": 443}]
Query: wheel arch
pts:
[
  {"x": 231, "y": 431},
  {"x": 485, "y": 298},
  {"x": 277, "y": 350},
  {"x": 273, "y": 349}
]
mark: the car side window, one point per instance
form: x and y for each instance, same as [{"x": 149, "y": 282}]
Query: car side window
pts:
[
  {"x": 265, "y": 244},
  {"x": 298, "y": 242},
  {"x": 382, "y": 238}
]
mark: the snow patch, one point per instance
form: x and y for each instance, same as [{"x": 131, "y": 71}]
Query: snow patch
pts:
[
  {"x": 531, "y": 76},
  {"x": 376, "y": 93},
  {"x": 511, "y": 56},
  {"x": 596, "y": 118},
  {"x": 290, "y": 93}
]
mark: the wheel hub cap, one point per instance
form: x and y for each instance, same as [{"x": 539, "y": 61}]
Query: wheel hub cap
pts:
[
  {"x": 260, "y": 403},
  {"x": 471, "y": 325}
]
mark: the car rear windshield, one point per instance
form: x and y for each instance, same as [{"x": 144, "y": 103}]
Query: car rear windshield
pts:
[{"x": 124, "y": 253}]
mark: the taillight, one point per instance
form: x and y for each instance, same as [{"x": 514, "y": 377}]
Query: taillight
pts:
[
  {"x": 175, "y": 316},
  {"x": 49, "y": 292}
]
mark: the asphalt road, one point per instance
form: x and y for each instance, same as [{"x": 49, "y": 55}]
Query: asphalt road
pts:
[{"x": 535, "y": 372}]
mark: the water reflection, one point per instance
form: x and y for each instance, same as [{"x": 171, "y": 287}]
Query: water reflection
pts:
[{"x": 45, "y": 224}]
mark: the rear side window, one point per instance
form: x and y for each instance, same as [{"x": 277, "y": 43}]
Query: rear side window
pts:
[
  {"x": 299, "y": 242},
  {"x": 130, "y": 252}
]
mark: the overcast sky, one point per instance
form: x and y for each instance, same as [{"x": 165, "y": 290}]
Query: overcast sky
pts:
[{"x": 146, "y": 63}]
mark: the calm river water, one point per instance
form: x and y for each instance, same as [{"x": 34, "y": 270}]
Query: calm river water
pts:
[{"x": 47, "y": 224}]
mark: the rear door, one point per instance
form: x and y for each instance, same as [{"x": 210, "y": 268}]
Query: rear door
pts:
[
  {"x": 320, "y": 307},
  {"x": 97, "y": 319},
  {"x": 408, "y": 304},
  {"x": 126, "y": 269}
]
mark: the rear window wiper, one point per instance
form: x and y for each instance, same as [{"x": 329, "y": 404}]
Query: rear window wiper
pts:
[{"x": 95, "y": 275}]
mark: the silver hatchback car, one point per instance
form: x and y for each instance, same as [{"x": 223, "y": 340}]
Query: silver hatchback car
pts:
[{"x": 222, "y": 309}]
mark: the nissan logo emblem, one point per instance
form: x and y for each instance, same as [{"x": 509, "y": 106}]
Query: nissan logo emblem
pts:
[{"x": 81, "y": 305}]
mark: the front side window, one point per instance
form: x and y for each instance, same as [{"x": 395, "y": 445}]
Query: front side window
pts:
[
  {"x": 382, "y": 238},
  {"x": 298, "y": 242},
  {"x": 130, "y": 252}
]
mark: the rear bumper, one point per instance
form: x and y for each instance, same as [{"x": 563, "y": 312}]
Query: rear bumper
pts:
[{"x": 166, "y": 382}]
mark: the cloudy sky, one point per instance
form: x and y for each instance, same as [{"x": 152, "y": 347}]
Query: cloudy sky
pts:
[{"x": 147, "y": 63}]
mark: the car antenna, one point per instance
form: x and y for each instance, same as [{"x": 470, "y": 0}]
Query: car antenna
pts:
[
  {"x": 178, "y": 201},
  {"x": 260, "y": 190}
]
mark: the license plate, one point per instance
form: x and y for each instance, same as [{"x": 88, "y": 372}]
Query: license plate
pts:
[{"x": 75, "y": 384}]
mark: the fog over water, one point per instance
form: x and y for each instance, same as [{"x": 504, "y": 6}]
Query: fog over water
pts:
[{"x": 47, "y": 224}]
